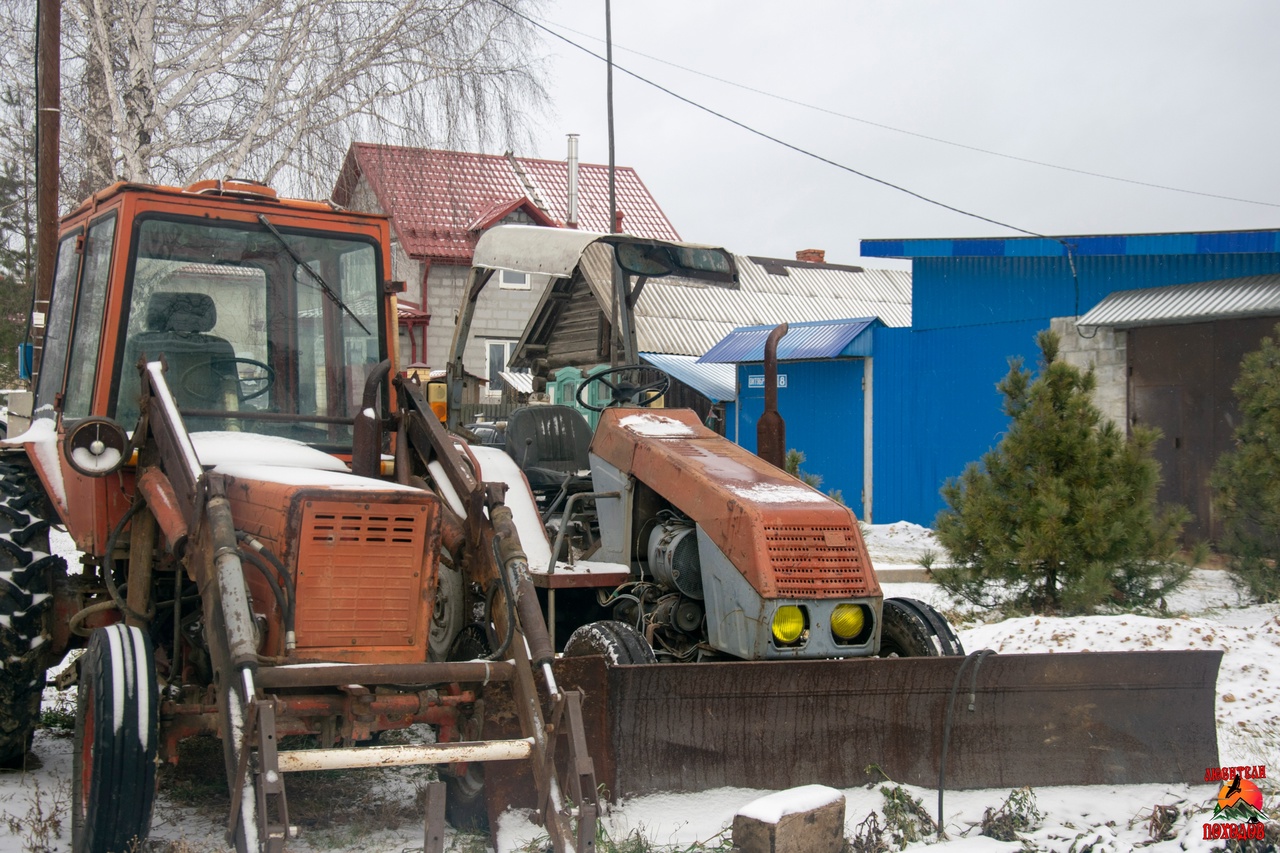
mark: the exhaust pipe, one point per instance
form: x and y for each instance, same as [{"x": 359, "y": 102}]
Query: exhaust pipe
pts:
[
  {"x": 571, "y": 217},
  {"x": 771, "y": 430}
]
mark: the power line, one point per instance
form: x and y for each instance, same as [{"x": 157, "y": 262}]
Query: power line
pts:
[
  {"x": 764, "y": 135},
  {"x": 916, "y": 134}
]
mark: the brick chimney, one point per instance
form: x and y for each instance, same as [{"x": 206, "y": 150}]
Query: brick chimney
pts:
[{"x": 812, "y": 256}]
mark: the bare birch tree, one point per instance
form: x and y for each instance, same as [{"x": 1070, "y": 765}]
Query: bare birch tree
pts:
[{"x": 274, "y": 90}]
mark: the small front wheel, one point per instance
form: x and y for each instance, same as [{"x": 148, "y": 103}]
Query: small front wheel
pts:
[
  {"x": 913, "y": 629},
  {"x": 113, "y": 784},
  {"x": 617, "y": 641}
]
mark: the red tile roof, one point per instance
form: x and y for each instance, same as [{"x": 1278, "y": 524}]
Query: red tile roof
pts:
[{"x": 435, "y": 197}]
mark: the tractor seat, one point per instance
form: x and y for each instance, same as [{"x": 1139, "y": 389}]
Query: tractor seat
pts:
[
  {"x": 201, "y": 371},
  {"x": 552, "y": 438},
  {"x": 550, "y": 445}
]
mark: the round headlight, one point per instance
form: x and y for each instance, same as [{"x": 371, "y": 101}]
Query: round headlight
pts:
[
  {"x": 847, "y": 621},
  {"x": 788, "y": 624}
]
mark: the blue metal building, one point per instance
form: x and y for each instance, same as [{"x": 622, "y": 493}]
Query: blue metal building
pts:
[
  {"x": 979, "y": 302},
  {"x": 824, "y": 395}
]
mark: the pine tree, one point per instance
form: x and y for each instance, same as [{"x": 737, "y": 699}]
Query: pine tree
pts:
[
  {"x": 1246, "y": 481},
  {"x": 1061, "y": 515}
]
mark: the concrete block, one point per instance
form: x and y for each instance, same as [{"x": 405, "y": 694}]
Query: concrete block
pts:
[{"x": 808, "y": 819}]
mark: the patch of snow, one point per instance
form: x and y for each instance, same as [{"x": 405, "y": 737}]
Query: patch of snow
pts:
[
  {"x": 117, "y": 681},
  {"x": 589, "y": 567},
  {"x": 778, "y": 493},
  {"x": 653, "y": 425},
  {"x": 772, "y": 808},
  {"x": 107, "y": 459},
  {"x": 42, "y": 442},
  {"x": 242, "y": 448}
]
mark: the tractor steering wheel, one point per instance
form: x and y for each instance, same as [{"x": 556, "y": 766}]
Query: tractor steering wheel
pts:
[
  {"x": 199, "y": 379},
  {"x": 635, "y": 385}
]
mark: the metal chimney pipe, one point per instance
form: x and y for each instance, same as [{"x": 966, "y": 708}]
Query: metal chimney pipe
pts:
[
  {"x": 771, "y": 430},
  {"x": 572, "y": 216}
]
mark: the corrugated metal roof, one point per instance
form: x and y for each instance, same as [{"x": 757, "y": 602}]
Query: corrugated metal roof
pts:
[
  {"x": 521, "y": 383},
  {"x": 1187, "y": 243},
  {"x": 434, "y": 196},
  {"x": 803, "y": 341},
  {"x": 1254, "y": 296},
  {"x": 684, "y": 317},
  {"x": 716, "y": 382}
]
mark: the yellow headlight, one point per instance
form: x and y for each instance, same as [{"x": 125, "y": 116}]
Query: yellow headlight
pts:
[
  {"x": 847, "y": 621},
  {"x": 788, "y": 623}
]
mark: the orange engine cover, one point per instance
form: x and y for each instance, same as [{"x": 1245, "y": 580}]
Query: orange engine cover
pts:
[
  {"x": 787, "y": 539},
  {"x": 363, "y": 555}
]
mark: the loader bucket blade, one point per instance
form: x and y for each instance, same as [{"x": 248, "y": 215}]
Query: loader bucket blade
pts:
[{"x": 1044, "y": 719}]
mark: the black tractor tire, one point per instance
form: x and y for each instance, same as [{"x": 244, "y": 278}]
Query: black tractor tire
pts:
[
  {"x": 113, "y": 779},
  {"x": 28, "y": 575},
  {"x": 913, "y": 629},
  {"x": 465, "y": 804},
  {"x": 448, "y": 613},
  {"x": 617, "y": 641}
]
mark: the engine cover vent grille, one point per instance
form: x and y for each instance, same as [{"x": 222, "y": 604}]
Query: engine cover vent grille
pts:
[
  {"x": 359, "y": 568},
  {"x": 816, "y": 562}
]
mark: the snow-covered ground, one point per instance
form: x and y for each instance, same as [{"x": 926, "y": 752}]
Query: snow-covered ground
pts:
[{"x": 1206, "y": 613}]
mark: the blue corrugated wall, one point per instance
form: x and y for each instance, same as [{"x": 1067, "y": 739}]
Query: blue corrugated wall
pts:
[
  {"x": 822, "y": 406},
  {"x": 935, "y": 403}
]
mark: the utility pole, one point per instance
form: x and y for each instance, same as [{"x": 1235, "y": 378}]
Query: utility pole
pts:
[
  {"x": 608, "y": 52},
  {"x": 48, "y": 132}
]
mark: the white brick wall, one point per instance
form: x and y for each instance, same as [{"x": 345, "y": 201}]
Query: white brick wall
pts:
[{"x": 1105, "y": 352}]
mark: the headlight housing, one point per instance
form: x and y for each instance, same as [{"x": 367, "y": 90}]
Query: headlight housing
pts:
[
  {"x": 848, "y": 621},
  {"x": 789, "y": 623}
]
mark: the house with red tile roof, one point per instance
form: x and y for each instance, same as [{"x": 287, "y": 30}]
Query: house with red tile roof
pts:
[{"x": 440, "y": 202}]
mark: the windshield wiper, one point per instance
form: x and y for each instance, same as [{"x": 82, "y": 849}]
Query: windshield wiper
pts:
[{"x": 324, "y": 286}]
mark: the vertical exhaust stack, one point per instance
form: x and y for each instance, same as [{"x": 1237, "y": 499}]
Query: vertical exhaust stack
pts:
[
  {"x": 771, "y": 430},
  {"x": 571, "y": 217}
]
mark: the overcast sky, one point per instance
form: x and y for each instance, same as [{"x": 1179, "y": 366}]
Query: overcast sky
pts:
[{"x": 1166, "y": 92}]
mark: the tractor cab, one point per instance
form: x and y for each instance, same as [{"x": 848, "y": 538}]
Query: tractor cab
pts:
[{"x": 270, "y": 315}]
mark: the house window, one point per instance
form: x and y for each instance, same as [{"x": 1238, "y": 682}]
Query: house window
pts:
[
  {"x": 499, "y": 354},
  {"x": 511, "y": 280}
]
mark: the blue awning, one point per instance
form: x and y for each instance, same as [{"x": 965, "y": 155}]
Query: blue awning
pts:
[
  {"x": 803, "y": 342},
  {"x": 716, "y": 382}
]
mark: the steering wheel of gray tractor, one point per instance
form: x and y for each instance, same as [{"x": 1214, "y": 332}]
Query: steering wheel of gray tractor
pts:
[
  {"x": 201, "y": 379},
  {"x": 629, "y": 385}
]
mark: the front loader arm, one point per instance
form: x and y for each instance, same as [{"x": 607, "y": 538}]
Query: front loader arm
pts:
[
  {"x": 494, "y": 556},
  {"x": 185, "y": 500}
]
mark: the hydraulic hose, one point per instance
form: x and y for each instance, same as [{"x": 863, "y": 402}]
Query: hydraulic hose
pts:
[
  {"x": 276, "y": 590},
  {"x": 976, "y": 658},
  {"x": 291, "y": 611},
  {"x": 109, "y": 558}
]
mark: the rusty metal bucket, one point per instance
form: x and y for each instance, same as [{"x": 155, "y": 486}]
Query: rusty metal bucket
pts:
[{"x": 1041, "y": 719}]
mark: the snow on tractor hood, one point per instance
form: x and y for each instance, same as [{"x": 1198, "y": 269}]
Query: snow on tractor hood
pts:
[{"x": 240, "y": 448}]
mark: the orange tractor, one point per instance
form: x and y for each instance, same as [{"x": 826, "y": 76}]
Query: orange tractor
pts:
[{"x": 282, "y": 538}]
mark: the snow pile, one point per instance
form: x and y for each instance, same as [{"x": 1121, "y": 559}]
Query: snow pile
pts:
[
  {"x": 901, "y": 544},
  {"x": 773, "y": 807}
]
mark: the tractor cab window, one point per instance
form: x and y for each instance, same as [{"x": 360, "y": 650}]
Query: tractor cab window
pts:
[
  {"x": 57, "y": 330},
  {"x": 82, "y": 367},
  {"x": 262, "y": 329}
]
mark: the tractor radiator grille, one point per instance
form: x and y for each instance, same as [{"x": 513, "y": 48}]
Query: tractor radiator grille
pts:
[
  {"x": 359, "y": 570},
  {"x": 816, "y": 562}
]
